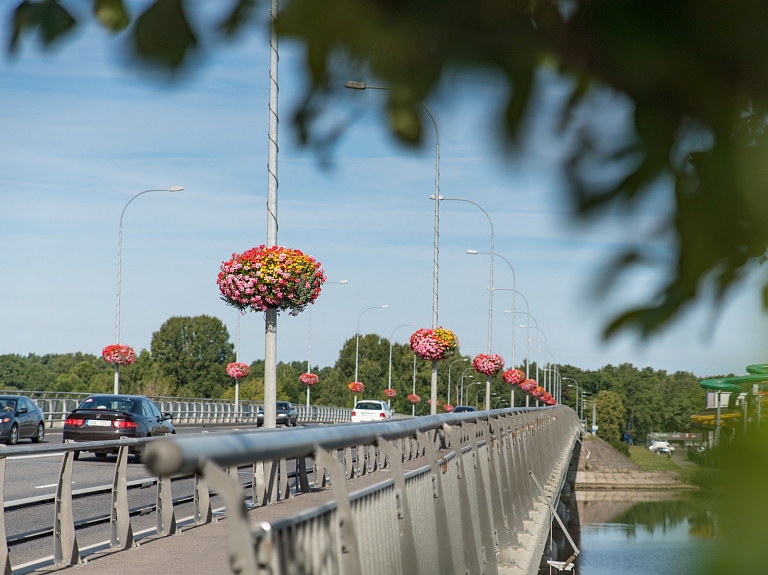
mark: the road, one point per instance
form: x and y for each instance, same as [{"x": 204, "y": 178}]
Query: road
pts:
[{"x": 28, "y": 476}]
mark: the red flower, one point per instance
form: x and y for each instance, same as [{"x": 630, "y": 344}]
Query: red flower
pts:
[
  {"x": 309, "y": 379},
  {"x": 119, "y": 354},
  {"x": 356, "y": 387},
  {"x": 390, "y": 393},
  {"x": 448, "y": 407},
  {"x": 413, "y": 398},
  {"x": 513, "y": 376}
]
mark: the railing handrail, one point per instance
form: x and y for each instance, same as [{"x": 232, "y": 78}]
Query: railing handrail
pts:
[{"x": 184, "y": 454}]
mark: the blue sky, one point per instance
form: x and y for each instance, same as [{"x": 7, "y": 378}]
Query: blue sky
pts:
[{"x": 81, "y": 133}]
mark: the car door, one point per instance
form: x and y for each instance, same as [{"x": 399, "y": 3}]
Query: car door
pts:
[
  {"x": 26, "y": 417},
  {"x": 164, "y": 427},
  {"x": 150, "y": 419}
]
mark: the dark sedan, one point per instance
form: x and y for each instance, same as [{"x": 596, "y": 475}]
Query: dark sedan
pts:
[
  {"x": 463, "y": 409},
  {"x": 286, "y": 414},
  {"x": 20, "y": 419},
  {"x": 104, "y": 417}
]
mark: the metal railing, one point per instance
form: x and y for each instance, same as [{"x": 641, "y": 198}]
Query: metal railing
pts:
[
  {"x": 56, "y": 405},
  {"x": 469, "y": 511}
]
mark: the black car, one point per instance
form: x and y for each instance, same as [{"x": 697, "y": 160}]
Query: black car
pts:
[
  {"x": 286, "y": 414},
  {"x": 463, "y": 408},
  {"x": 104, "y": 417},
  {"x": 20, "y": 419}
]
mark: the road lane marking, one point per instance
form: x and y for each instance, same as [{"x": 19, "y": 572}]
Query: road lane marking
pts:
[{"x": 46, "y": 486}]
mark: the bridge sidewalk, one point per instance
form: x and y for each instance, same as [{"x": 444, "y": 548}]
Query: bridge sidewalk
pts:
[{"x": 203, "y": 550}]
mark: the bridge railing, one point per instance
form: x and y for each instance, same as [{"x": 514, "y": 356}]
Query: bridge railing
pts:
[
  {"x": 56, "y": 405},
  {"x": 465, "y": 510}
]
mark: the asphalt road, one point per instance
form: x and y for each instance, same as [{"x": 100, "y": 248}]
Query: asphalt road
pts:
[{"x": 27, "y": 476}]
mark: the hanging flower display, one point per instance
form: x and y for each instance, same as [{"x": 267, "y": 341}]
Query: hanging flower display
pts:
[
  {"x": 119, "y": 354},
  {"x": 546, "y": 397},
  {"x": 265, "y": 278},
  {"x": 448, "y": 407},
  {"x": 488, "y": 364},
  {"x": 390, "y": 393},
  {"x": 413, "y": 398},
  {"x": 538, "y": 392},
  {"x": 356, "y": 387},
  {"x": 309, "y": 379},
  {"x": 238, "y": 370},
  {"x": 529, "y": 385},
  {"x": 513, "y": 376},
  {"x": 431, "y": 344}
]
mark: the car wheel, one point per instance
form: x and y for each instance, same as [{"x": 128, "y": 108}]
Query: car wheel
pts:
[
  {"x": 38, "y": 438},
  {"x": 13, "y": 438}
]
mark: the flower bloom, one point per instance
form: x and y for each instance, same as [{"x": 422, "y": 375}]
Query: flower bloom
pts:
[
  {"x": 413, "y": 398},
  {"x": 356, "y": 387},
  {"x": 513, "y": 376},
  {"x": 309, "y": 379},
  {"x": 448, "y": 407},
  {"x": 432, "y": 344},
  {"x": 119, "y": 354},
  {"x": 488, "y": 364},
  {"x": 238, "y": 370},
  {"x": 283, "y": 278},
  {"x": 390, "y": 393},
  {"x": 529, "y": 385}
]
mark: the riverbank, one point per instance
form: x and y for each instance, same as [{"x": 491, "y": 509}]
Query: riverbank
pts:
[{"x": 601, "y": 467}]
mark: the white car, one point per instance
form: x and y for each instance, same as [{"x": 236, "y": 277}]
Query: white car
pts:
[
  {"x": 658, "y": 446},
  {"x": 371, "y": 410}
]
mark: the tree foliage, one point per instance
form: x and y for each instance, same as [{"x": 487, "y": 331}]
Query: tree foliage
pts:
[{"x": 693, "y": 74}]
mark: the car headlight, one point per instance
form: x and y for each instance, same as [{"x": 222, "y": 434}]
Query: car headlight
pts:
[{"x": 6, "y": 419}]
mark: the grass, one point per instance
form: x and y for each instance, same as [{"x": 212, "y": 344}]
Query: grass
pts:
[{"x": 649, "y": 461}]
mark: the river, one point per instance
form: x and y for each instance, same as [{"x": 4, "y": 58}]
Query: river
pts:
[{"x": 637, "y": 533}]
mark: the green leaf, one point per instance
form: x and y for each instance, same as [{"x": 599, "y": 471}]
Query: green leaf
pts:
[
  {"x": 239, "y": 16},
  {"x": 47, "y": 16},
  {"x": 111, "y": 14},
  {"x": 163, "y": 35}
]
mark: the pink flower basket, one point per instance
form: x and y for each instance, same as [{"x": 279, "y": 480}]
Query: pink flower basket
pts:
[
  {"x": 538, "y": 392},
  {"x": 413, "y": 398},
  {"x": 390, "y": 393},
  {"x": 488, "y": 364},
  {"x": 356, "y": 387},
  {"x": 309, "y": 379},
  {"x": 448, "y": 407},
  {"x": 118, "y": 354},
  {"x": 265, "y": 278},
  {"x": 513, "y": 376},
  {"x": 431, "y": 344},
  {"x": 529, "y": 385},
  {"x": 238, "y": 370}
]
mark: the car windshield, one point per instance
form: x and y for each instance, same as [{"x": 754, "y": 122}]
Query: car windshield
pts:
[
  {"x": 283, "y": 405},
  {"x": 368, "y": 405},
  {"x": 113, "y": 403},
  {"x": 8, "y": 404},
  {"x": 463, "y": 409}
]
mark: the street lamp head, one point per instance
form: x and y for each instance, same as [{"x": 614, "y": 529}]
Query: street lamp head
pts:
[
  {"x": 473, "y": 252},
  {"x": 175, "y": 188},
  {"x": 355, "y": 85},
  {"x": 508, "y": 311},
  {"x": 343, "y": 281},
  {"x": 385, "y": 306}
]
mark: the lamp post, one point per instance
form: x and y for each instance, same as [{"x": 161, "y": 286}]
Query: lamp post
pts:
[
  {"x": 357, "y": 337},
  {"x": 578, "y": 391},
  {"x": 309, "y": 337},
  {"x": 119, "y": 271},
  {"x": 390, "y": 353},
  {"x": 436, "y": 244},
  {"x": 470, "y": 386},
  {"x": 514, "y": 291},
  {"x": 490, "y": 291},
  {"x": 461, "y": 399},
  {"x": 448, "y": 400},
  {"x": 413, "y": 405}
]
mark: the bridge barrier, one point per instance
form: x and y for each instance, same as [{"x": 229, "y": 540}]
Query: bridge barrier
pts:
[
  {"x": 476, "y": 509},
  {"x": 56, "y": 406}
]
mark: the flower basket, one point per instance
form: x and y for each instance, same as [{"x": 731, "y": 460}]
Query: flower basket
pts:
[
  {"x": 309, "y": 379},
  {"x": 356, "y": 387},
  {"x": 413, "y": 398},
  {"x": 488, "y": 364},
  {"x": 448, "y": 407},
  {"x": 529, "y": 385},
  {"x": 431, "y": 344},
  {"x": 118, "y": 354},
  {"x": 538, "y": 392},
  {"x": 390, "y": 393},
  {"x": 513, "y": 376},
  {"x": 546, "y": 397},
  {"x": 238, "y": 370},
  {"x": 265, "y": 278}
]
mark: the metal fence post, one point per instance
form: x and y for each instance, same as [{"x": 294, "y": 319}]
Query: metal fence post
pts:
[
  {"x": 202, "y": 510},
  {"x": 166, "y": 518},
  {"x": 4, "y": 556},
  {"x": 485, "y": 513},
  {"x": 120, "y": 531},
  {"x": 65, "y": 549}
]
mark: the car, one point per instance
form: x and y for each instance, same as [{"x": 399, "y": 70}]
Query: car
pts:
[
  {"x": 285, "y": 413},
  {"x": 655, "y": 446},
  {"x": 371, "y": 410},
  {"x": 463, "y": 408},
  {"x": 106, "y": 416},
  {"x": 20, "y": 418}
]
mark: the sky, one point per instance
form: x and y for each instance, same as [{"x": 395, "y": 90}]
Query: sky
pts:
[{"x": 82, "y": 131}]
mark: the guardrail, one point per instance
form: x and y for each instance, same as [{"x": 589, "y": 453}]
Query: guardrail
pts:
[
  {"x": 465, "y": 512},
  {"x": 56, "y": 406}
]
